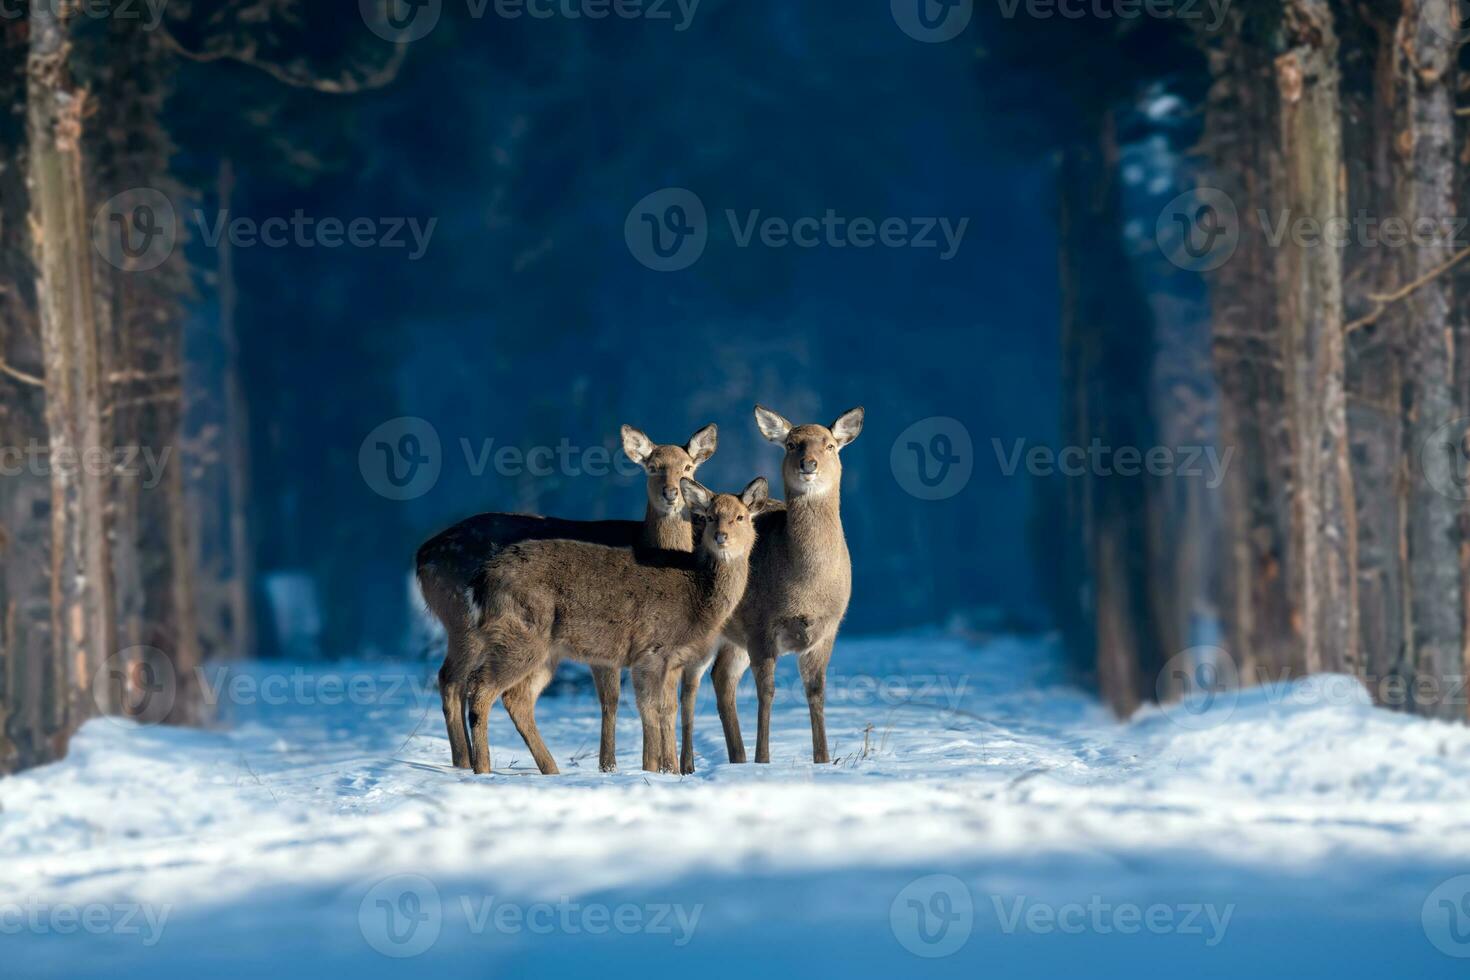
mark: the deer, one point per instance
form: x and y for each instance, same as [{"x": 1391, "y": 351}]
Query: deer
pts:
[
  {"x": 448, "y": 563},
  {"x": 800, "y": 583},
  {"x": 652, "y": 612}
]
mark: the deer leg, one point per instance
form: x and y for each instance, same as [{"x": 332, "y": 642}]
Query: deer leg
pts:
[
  {"x": 608, "y": 681},
  {"x": 813, "y": 664},
  {"x": 648, "y": 693},
  {"x": 669, "y": 711},
  {"x": 482, "y": 695},
  {"x": 688, "y": 698},
  {"x": 730, "y": 663},
  {"x": 520, "y": 704},
  {"x": 763, "y": 665},
  {"x": 451, "y": 693}
]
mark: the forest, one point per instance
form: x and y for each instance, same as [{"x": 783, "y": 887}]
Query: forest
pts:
[
  {"x": 1327, "y": 367},
  {"x": 1016, "y": 451}
]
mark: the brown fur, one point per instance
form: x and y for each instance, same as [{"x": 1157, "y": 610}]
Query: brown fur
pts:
[
  {"x": 653, "y": 612},
  {"x": 449, "y": 563},
  {"x": 800, "y": 583}
]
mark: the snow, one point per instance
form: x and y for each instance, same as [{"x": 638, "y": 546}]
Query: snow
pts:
[{"x": 995, "y": 815}]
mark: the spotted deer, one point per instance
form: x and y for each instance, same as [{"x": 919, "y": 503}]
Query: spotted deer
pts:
[
  {"x": 653, "y": 612},
  {"x": 448, "y": 564},
  {"x": 800, "y": 583}
]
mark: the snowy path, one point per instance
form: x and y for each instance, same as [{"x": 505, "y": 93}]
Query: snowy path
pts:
[{"x": 1294, "y": 832}]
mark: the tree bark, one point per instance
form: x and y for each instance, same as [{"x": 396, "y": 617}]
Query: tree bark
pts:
[
  {"x": 81, "y": 572},
  {"x": 1127, "y": 591},
  {"x": 1273, "y": 125},
  {"x": 1423, "y": 158}
]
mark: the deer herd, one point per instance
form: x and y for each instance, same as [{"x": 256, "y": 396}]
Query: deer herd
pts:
[{"x": 732, "y": 580}]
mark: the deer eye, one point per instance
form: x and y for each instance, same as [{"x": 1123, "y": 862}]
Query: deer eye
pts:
[
  {"x": 791, "y": 447},
  {"x": 831, "y": 446},
  {"x": 688, "y": 467},
  {"x": 740, "y": 518}
]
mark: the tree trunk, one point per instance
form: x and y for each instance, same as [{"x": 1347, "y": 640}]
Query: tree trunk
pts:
[
  {"x": 81, "y": 572},
  {"x": 1273, "y": 124},
  {"x": 1423, "y": 163},
  {"x": 1324, "y": 534},
  {"x": 1108, "y": 354},
  {"x": 237, "y": 443}
]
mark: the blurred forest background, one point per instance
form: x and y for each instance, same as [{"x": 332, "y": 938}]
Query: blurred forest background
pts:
[{"x": 520, "y": 144}]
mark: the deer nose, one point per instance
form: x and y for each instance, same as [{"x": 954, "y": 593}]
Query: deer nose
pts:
[
  {"x": 671, "y": 494},
  {"x": 809, "y": 464},
  {"x": 721, "y": 538}
]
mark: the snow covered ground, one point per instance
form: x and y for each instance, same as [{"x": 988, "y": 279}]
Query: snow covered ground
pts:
[{"x": 982, "y": 819}]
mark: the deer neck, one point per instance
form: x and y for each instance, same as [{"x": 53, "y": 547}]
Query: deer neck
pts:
[
  {"x": 667, "y": 531},
  {"x": 720, "y": 585},
  {"x": 814, "y": 527}
]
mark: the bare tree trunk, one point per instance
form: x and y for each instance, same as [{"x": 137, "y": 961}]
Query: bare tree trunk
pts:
[
  {"x": 1273, "y": 124},
  {"x": 1324, "y": 532},
  {"x": 34, "y": 693},
  {"x": 237, "y": 442},
  {"x": 1424, "y": 163},
  {"x": 1128, "y": 579},
  {"x": 81, "y": 572},
  {"x": 1258, "y": 616}
]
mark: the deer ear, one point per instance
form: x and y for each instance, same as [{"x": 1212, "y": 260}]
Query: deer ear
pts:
[
  {"x": 847, "y": 427},
  {"x": 771, "y": 424},
  {"x": 636, "y": 445},
  {"x": 702, "y": 444},
  {"x": 756, "y": 495},
  {"x": 698, "y": 497}
]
